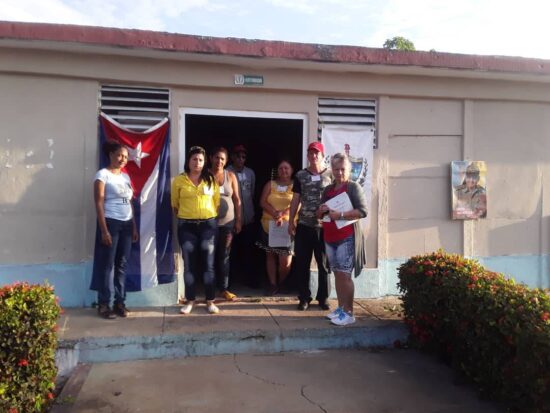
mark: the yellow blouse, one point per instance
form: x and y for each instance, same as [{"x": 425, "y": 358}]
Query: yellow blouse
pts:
[
  {"x": 195, "y": 202},
  {"x": 279, "y": 198}
]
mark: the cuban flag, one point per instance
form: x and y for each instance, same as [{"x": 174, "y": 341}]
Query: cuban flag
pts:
[{"x": 152, "y": 259}]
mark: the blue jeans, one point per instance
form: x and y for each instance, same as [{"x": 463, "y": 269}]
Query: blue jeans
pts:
[
  {"x": 223, "y": 251},
  {"x": 105, "y": 258},
  {"x": 341, "y": 254},
  {"x": 197, "y": 239}
]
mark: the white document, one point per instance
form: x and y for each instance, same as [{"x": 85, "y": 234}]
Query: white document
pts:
[
  {"x": 340, "y": 203},
  {"x": 278, "y": 236}
]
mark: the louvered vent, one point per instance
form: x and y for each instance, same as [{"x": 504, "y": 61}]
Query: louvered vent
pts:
[
  {"x": 347, "y": 112},
  {"x": 136, "y": 108}
]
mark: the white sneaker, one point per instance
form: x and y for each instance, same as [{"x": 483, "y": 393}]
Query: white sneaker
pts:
[
  {"x": 343, "y": 319},
  {"x": 187, "y": 307},
  {"x": 213, "y": 309},
  {"x": 333, "y": 314}
]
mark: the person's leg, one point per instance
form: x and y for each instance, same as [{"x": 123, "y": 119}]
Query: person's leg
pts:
[
  {"x": 104, "y": 257},
  {"x": 189, "y": 243},
  {"x": 124, "y": 246},
  {"x": 285, "y": 262},
  {"x": 304, "y": 252},
  {"x": 207, "y": 236},
  {"x": 249, "y": 255},
  {"x": 323, "y": 289},
  {"x": 344, "y": 290},
  {"x": 222, "y": 252},
  {"x": 271, "y": 267}
]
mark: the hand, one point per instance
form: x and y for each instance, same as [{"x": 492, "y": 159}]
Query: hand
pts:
[
  {"x": 322, "y": 210},
  {"x": 135, "y": 235},
  {"x": 334, "y": 215},
  {"x": 106, "y": 238},
  {"x": 291, "y": 229}
]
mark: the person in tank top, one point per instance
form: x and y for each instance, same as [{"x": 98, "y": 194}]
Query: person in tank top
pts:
[{"x": 228, "y": 220}]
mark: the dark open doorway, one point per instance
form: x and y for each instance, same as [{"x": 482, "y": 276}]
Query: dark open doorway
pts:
[{"x": 267, "y": 141}]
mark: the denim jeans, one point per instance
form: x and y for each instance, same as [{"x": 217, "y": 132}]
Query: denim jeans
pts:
[
  {"x": 223, "y": 251},
  {"x": 197, "y": 239},
  {"x": 341, "y": 254},
  {"x": 307, "y": 242},
  {"x": 105, "y": 258}
]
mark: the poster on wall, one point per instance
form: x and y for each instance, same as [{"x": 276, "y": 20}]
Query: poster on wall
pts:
[
  {"x": 469, "y": 189},
  {"x": 357, "y": 144}
]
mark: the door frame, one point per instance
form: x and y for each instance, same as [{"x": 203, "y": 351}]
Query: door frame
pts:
[{"x": 239, "y": 114}]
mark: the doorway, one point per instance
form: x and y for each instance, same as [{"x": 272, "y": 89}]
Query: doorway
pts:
[{"x": 268, "y": 137}]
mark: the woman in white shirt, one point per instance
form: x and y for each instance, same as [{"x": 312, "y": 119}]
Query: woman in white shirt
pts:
[{"x": 116, "y": 231}]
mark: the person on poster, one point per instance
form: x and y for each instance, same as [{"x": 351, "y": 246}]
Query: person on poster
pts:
[{"x": 471, "y": 198}]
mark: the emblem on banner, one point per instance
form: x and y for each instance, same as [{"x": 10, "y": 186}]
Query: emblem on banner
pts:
[{"x": 359, "y": 167}]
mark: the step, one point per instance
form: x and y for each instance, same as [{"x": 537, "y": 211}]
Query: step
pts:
[{"x": 253, "y": 326}]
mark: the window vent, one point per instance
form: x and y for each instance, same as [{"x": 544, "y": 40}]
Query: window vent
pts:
[
  {"x": 135, "y": 108},
  {"x": 347, "y": 112}
]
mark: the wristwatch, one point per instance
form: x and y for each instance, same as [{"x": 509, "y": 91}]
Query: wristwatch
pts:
[{"x": 341, "y": 215}]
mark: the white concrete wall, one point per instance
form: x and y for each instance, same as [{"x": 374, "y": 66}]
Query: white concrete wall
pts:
[{"x": 48, "y": 155}]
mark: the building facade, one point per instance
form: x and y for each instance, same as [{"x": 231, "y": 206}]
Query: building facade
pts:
[{"x": 428, "y": 109}]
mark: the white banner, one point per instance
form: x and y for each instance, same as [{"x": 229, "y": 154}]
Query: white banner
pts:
[{"x": 358, "y": 145}]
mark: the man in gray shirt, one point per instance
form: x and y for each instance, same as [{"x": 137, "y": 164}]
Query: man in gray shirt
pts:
[{"x": 243, "y": 243}]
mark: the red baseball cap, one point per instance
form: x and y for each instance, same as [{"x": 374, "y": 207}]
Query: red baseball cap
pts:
[{"x": 316, "y": 146}]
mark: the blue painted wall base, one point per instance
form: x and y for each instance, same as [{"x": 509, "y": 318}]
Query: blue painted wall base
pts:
[{"x": 71, "y": 281}]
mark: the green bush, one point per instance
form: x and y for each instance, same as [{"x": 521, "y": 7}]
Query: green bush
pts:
[
  {"x": 492, "y": 330},
  {"x": 28, "y": 340}
]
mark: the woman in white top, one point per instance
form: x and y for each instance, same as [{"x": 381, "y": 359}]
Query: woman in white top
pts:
[{"x": 116, "y": 231}]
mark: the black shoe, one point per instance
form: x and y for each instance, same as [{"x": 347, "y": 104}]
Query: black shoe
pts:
[
  {"x": 324, "y": 305},
  {"x": 120, "y": 310},
  {"x": 105, "y": 311},
  {"x": 303, "y": 306}
]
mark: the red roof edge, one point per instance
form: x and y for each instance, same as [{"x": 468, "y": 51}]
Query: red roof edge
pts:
[{"x": 171, "y": 42}]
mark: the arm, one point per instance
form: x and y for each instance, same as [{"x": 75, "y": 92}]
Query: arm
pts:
[
  {"x": 266, "y": 206},
  {"x": 99, "y": 200},
  {"x": 174, "y": 197},
  {"x": 236, "y": 201},
  {"x": 294, "y": 205},
  {"x": 135, "y": 233}
]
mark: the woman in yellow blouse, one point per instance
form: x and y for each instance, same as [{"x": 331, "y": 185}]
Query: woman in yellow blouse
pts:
[
  {"x": 275, "y": 202},
  {"x": 195, "y": 201}
]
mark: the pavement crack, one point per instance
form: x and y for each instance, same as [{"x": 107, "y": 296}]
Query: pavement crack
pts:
[
  {"x": 163, "y": 320},
  {"x": 311, "y": 401},
  {"x": 367, "y": 309},
  {"x": 252, "y": 375},
  {"x": 272, "y": 316}
]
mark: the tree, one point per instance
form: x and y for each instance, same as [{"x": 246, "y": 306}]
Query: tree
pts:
[{"x": 399, "y": 43}]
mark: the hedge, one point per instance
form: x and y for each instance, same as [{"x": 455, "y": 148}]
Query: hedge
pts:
[
  {"x": 495, "y": 332},
  {"x": 28, "y": 340}
]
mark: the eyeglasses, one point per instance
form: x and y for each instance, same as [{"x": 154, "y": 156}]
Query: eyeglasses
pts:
[{"x": 197, "y": 149}]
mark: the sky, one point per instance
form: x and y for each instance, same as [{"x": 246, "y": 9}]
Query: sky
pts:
[{"x": 486, "y": 27}]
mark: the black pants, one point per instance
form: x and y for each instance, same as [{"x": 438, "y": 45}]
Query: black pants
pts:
[
  {"x": 307, "y": 242},
  {"x": 245, "y": 264}
]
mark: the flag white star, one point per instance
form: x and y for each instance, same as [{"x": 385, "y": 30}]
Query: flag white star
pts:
[{"x": 136, "y": 155}]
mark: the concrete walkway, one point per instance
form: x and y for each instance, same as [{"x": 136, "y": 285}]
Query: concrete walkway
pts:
[
  {"x": 329, "y": 381},
  {"x": 267, "y": 325}
]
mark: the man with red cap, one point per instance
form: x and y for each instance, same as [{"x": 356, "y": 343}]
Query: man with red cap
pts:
[{"x": 308, "y": 233}]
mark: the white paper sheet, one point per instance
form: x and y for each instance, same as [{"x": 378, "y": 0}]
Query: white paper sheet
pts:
[
  {"x": 278, "y": 236},
  {"x": 340, "y": 203}
]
